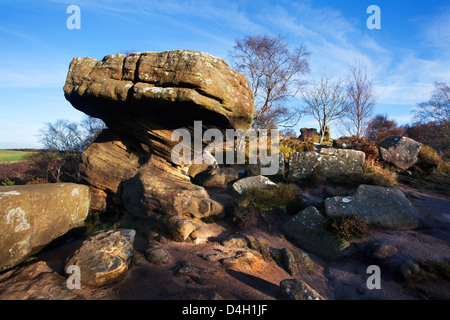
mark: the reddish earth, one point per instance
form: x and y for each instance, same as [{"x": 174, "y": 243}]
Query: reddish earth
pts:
[{"x": 342, "y": 279}]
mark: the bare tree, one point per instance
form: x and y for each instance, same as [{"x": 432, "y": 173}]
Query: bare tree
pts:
[
  {"x": 327, "y": 101},
  {"x": 273, "y": 70},
  {"x": 437, "y": 111},
  {"x": 362, "y": 98},
  {"x": 70, "y": 137}
]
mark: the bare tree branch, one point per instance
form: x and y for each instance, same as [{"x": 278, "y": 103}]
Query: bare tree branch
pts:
[{"x": 273, "y": 71}]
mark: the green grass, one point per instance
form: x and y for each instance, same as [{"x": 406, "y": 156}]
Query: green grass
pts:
[{"x": 10, "y": 155}]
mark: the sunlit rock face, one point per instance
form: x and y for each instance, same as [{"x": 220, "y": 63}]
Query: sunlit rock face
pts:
[{"x": 143, "y": 98}]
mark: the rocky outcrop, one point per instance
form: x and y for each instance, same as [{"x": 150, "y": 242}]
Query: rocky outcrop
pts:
[
  {"x": 33, "y": 216},
  {"x": 104, "y": 257},
  {"x": 307, "y": 232},
  {"x": 330, "y": 161},
  {"x": 307, "y": 133},
  {"x": 400, "y": 151},
  {"x": 379, "y": 206},
  {"x": 143, "y": 98}
]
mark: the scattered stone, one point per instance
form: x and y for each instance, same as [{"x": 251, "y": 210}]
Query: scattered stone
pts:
[
  {"x": 409, "y": 268},
  {"x": 252, "y": 182},
  {"x": 294, "y": 289},
  {"x": 296, "y": 261},
  {"x": 244, "y": 260},
  {"x": 307, "y": 232},
  {"x": 240, "y": 241},
  {"x": 379, "y": 251},
  {"x": 400, "y": 151},
  {"x": 379, "y": 206},
  {"x": 32, "y": 216},
  {"x": 34, "y": 281},
  {"x": 104, "y": 257},
  {"x": 157, "y": 255}
]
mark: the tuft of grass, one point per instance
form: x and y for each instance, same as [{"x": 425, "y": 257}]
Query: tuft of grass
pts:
[
  {"x": 280, "y": 196},
  {"x": 7, "y": 182},
  {"x": 346, "y": 227},
  {"x": 288, "y": 145},
  {"x": 428, "y": 159},
  {"x": 374, "y": 173}
]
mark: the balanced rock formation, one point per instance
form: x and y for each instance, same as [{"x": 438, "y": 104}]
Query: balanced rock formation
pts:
[
  {"x": 143, "y": 98},
  {"x": 307, "y": 133},
  {"x": 400, "y": 151},
  {"x": 33, "y": 216}
]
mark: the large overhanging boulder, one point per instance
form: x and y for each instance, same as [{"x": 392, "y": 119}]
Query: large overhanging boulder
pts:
[{"x": 143, "y": 98}]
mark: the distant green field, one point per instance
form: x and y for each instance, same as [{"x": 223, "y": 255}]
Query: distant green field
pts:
[{"x": 10, "y": 155}]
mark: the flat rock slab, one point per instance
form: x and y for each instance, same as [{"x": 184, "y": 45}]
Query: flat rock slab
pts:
[
  {"x": 331, "y": 161},
  {"x": 32, "y": 216},
  {"x": 34, "y": 281},
  {"x": 307, "y": 232},
  {"x": 104, "y": 257},
  {"x": 386, "y": 208}
]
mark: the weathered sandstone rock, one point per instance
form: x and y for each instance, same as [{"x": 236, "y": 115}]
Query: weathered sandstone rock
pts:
[
  {"x": 32, "y": 216},
  {"x": 307, "y": 232},
  {"x": 252, "y": 182},
  {"x": 34, "y": 281},
  {"x": 400, "y": 151},
  {"x": 383, "y": 207},
  {"x": 294, "y": 289},
  {"x": 331, "y": 161},
  {"x": 143, "y": 98},
  {"x": 104, "y": 257}
]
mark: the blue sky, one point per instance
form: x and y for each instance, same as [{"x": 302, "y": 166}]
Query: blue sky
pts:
[{"x": 405, "y": 57}]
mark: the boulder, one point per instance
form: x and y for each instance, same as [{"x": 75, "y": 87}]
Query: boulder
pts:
[
  {"x": 32, "y": 216},
  {"x": 104, "y": 257},
  {"x": 296, "y": 261},
  {"x": 294, "y": 289},
  {"x": 379, "y": 206},
  {"x": 400, "y": 151},
  {"x": 217, "y": 177},
  {"x": 307, "y": 232},
  {"x": 379, "y": 251},
  {"x": 157, "y": 255},
  {"x": 331, "y": 162},
  {"x": 252, "y": 182},
  {"x": 144, "y": 98}
]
